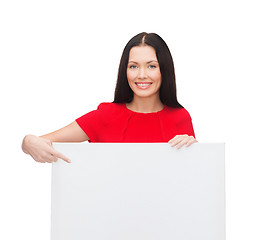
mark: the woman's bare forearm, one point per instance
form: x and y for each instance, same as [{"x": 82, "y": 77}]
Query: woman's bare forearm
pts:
[
  {"x": 41, "y": 149},
  {"x": 70, "y": 133}
]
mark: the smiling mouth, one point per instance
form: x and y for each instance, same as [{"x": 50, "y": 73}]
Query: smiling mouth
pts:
[{"x": 143, "y": 85}]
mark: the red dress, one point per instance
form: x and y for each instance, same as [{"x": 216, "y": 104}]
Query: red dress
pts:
[{"x": 114, "y": 122}]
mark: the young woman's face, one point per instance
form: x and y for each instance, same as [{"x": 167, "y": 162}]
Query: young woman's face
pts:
[{"x": 143, "y": 72}]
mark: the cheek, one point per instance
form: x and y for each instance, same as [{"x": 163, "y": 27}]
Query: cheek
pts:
[
  {"x": 156, "y": 76},
  {"x": 131, "y": 75}
]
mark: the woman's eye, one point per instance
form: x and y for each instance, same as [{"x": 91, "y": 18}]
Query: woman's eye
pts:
[
  {"x": 133, "y": 66},
  {"x": 152, "y": 66}
]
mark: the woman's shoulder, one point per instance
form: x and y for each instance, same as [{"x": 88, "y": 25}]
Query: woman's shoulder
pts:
[
  {"x": 110, "y": 106},
  {"x": 178, "y": 113},
  {"x": 110, "y": 109},
  {"x": 111, "y": 113}
]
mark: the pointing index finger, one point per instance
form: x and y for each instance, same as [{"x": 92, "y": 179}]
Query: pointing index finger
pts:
[{"x": 61, "y": 156}]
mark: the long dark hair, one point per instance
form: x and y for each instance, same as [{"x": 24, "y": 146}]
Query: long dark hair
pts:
[{"x": 167, "y": 91}]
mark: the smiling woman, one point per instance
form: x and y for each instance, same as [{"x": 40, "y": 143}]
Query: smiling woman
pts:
[
  {"x": 143, "y": 73},
  {"x": 146, "y": 47},
  {"x": 145, "y": 106}
]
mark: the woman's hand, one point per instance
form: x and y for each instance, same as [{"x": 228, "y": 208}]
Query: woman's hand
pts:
[
  {"x": 41, "y": 149},
  {"x": 181, "y": 140}
]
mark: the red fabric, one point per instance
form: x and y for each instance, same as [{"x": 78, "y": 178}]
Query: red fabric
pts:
[{"x": 114, "y": 122}]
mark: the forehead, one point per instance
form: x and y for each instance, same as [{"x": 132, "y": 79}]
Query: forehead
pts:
[{"x": 142, "y": 54}]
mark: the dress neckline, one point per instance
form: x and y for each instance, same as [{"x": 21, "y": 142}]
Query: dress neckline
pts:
[{"x": 124, "y": 104}]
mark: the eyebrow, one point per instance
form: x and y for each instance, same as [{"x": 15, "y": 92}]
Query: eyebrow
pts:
[{"x": 147, "y": 62}]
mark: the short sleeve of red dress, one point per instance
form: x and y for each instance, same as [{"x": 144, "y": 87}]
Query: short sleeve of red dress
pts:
[{"x": 92, "y": 122}]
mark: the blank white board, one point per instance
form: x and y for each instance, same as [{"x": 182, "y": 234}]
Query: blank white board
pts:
[{"x": 138, "y": 191}]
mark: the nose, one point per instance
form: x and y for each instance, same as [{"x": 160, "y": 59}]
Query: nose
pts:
[{"x": 142, "y": 73}]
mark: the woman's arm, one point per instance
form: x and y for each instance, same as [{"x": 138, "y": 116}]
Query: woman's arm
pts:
[
  {"x": 41, "y": 149},
  {"x": 70, "y": 133}
]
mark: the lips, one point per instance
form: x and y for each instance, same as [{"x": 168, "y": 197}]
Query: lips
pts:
[{"x": 143, "y": 85}]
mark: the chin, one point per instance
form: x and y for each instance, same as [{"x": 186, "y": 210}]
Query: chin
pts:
[{"x": 144, "y": 95}]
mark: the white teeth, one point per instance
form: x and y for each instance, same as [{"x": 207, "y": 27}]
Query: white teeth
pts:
[{"x": 143, "y": 84}]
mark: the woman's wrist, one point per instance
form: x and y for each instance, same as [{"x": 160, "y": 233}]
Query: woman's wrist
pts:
[{"x": 26, "y": 142}]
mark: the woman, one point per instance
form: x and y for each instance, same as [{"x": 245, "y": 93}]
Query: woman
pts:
[{"x": 145, "y": 106}]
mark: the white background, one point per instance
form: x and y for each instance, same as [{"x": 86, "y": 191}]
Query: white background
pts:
[{"x": 59, "y": 60}]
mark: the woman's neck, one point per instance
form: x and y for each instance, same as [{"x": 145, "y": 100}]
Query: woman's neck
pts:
[{"x": 145, "y": 105}]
